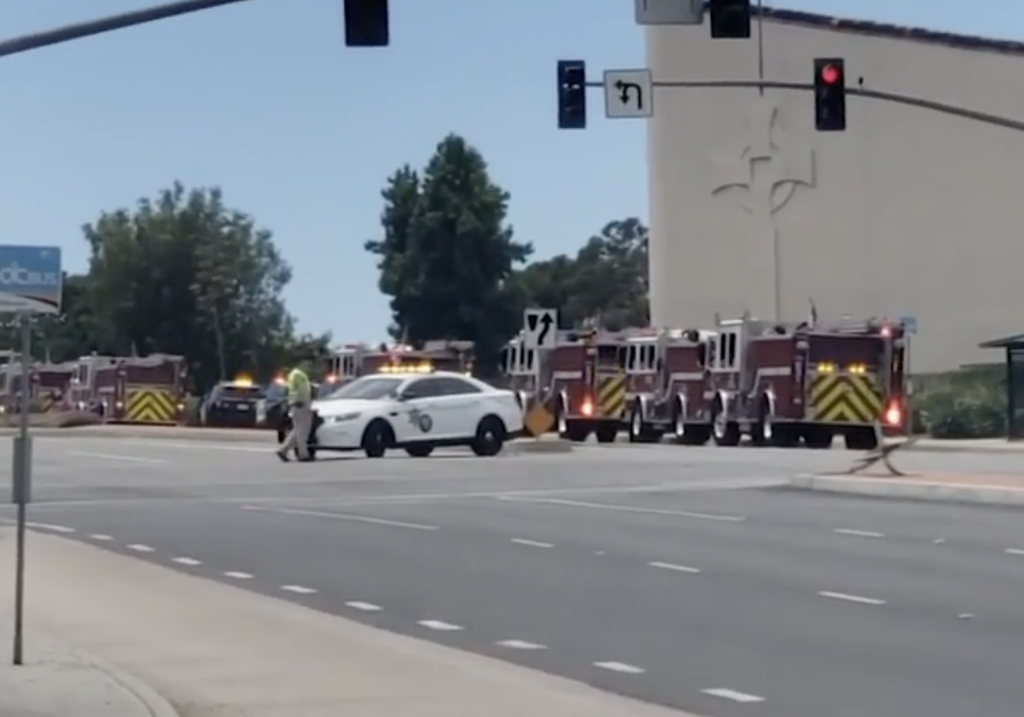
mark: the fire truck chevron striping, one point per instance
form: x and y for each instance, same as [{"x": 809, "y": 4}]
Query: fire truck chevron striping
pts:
[
  {"x": 611, "y": 395},
  {"x": 845, "y": 398},
  {"x": 150, "y": 404}
]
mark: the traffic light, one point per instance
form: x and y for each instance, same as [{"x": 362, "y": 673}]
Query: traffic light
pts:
[
  {"x": 572, "y": 94},
  {"x": 730, "y": 19},
  {"x": 829, "y": 94},
  {"x": 366, "y": 23}
]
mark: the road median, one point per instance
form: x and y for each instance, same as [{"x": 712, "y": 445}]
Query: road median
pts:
[{"x": 988, "y": 489}]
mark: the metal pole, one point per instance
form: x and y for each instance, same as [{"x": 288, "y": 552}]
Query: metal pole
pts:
[
  {"x": 22, "y": 467},
  {"x": 760, "y": 46}
]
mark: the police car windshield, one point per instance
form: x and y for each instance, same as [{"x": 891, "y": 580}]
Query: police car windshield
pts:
[
  {"x": 231, "y": 391},
  {"x": 369, "y": 388}
]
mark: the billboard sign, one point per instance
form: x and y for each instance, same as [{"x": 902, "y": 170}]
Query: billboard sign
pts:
[{"x": 31, "y": 279}]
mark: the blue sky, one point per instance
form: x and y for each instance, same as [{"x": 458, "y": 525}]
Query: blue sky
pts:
[{"x": 264, "y": 100}]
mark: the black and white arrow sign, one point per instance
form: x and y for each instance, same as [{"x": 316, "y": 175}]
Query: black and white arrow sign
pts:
[
  {"x": 628, "y": 94},
  {"x": 540, "y": 328}
]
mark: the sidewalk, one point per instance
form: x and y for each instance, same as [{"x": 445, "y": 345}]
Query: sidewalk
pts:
[
  {"x": 989, "y": 489},
  {"x": 56, "y": 682},
  {"x": 218, "y": 651}
]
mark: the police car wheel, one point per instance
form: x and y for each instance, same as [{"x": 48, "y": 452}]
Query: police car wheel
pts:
[
  {"x": 377, "y": 438},
  {"x": 490, "y": 437}
]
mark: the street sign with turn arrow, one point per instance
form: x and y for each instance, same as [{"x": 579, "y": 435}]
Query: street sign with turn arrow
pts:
[
  {"x": 628, "y": 94},
  {"x": 540, "y": 328}
]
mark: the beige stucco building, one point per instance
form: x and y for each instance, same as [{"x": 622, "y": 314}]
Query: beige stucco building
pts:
[{"x": 911, "y": 211}]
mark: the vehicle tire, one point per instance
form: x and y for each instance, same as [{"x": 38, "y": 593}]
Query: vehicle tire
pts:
[
  {"x": 861, "y": 439},
  {"x": 607, "y": 432},
  {"x": 818, "y": 437},
  {"x": 490, "y": 437},
  {"x": 419, "y": 450},
  {"x": 377, "y": 439},
  {"x": 636, "y": 424},
  {"x": 762, "y": 433},
  {"x": 724, "y": 431}
]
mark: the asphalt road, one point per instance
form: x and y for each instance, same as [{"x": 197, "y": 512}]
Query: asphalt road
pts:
[{"x": 673, "y": 575}]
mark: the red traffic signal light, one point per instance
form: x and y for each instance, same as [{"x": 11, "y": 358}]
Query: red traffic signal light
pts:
[{"x": 830, "y": 74}]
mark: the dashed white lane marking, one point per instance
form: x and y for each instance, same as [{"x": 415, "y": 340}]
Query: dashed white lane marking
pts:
[
  {"x": 521, "y": 645},
  {"x": 622, "y": 667},
  {"x": 140, "y": 548},
  {"x": 532, "y": 543},
  {"x": 676, "y": 568},
  {"x": 50, "y": 527},
  {"x": 234, "y": 574},
  {"x": 859, "y": 533},
  {"x": 341, "y": 516},
  {"x": 440, "y": 625},
  {"x": 851, "y": 598},
  {"x": 733, "y": 695},
  {"x": 364, "y": 606},
  {"x": 1014, "y": 551},
  {"x": 627, "y": 508},
  {"x": 118, "y": 457},
  {"x": 300, "y": 589},
  {"x": 102, "y": 537},
  {"x": 186, "y": 561}
]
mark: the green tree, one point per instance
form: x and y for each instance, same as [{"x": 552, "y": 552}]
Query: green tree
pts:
[
  {"x": 185, "y": 274},
  {"x": 607, "y": 281},
  {"x": 447, "y": 255}
]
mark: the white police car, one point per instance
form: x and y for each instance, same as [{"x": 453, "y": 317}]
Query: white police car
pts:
[{"x": 417, "y": 412}]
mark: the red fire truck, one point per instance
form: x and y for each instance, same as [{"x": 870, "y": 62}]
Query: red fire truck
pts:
[
  {"x": 778, "y": 384},
  {"x": 587, "y": 385},
  {"x": 354, "y": 360},
  {"x": 131, "y": 389},
  {"x": 520, "y": 371},
  {"x": 48, "y": 386}
]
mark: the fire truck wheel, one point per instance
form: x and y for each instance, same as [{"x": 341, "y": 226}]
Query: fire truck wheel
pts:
[
  {"x": 724, "y": 431},
  {"x": 377, "y": 438},
  {"x": 639, "y": 431},
  {"x": 490, "y": 437},
  {"x": 864, "y": 439},
  {"x": 763, "y": 431}
]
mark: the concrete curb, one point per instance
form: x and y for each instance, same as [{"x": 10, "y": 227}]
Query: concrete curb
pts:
[
  {"x": 545, "y": 447},
  {"x": 919, "y": 490},
  {"x": 155, "y": 703}
]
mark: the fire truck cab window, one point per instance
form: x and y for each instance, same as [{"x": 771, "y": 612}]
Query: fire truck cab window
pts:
[
  {"x": 726, "y": 357},
  {"x": 608, "y": 355},
  {"x": 348, "y": 365}
]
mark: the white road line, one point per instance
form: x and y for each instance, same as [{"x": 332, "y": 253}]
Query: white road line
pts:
[
  {"x": 521, "y": 645},
  {"x": 118, "y": 457},
  {"x": 620, "y": 667},
  {"x": 237, "y": 575},
  {"x": 101, "y": 537},
  {"x": 300, "y": 589},
  {"x": 186, "y": 561},
  {"x": 140, "y": 548},
  {"x": 341, "y": 516},
  {"x": 439, "y": 625},
  {"x": 1014, "y": 551},
  {"x": 532, "y": 543},
  {"x": 50, "y": 527},
  {"x": 626, "y": 508},
  {"x": 673, "y": 566},
  {"x": 859, "y": 533},
  {"x": 733, "y": 695},
  {"x": 851, "y": 598},
  {"x": 364, "y": 606}
]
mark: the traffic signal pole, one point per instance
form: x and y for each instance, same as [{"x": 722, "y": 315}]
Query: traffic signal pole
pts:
[{"x": 103, "y": 25}]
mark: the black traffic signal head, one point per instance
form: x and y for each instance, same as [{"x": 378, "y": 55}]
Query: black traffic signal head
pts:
[
  {"x": 572, "y": 94},
  {"x": 366, "y": 23},
  {"x": 829, "y": 94},
  {"x": 730, "y": 19}
]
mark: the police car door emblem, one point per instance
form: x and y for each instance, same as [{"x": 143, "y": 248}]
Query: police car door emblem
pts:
[{"x": 421, "y": 420}]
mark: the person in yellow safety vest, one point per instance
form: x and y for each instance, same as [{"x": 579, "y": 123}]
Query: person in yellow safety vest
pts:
[{"x": 300, "y": 400}]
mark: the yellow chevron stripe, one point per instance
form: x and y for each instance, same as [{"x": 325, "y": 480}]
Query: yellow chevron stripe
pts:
[
  {"x": 845, "y": 399},
  {"x": 150, "y": 405},
  {"x": 611, "y": 396}
]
